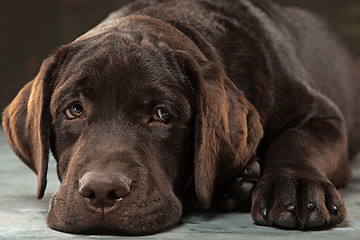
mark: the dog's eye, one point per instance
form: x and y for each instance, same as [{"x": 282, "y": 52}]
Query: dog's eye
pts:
[
  {"x": 163, "y": 114},
  {"x": 74, "y": 111}
]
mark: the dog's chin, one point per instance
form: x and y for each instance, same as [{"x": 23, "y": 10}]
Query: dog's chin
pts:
[
  {"x": 129, "y": 219},
  {"x": 101, "y": 229}
]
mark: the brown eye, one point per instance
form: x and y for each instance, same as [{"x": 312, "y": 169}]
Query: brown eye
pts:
[
  {"x": 163, "y": 114},
  {"x": 74, "y": 111}
]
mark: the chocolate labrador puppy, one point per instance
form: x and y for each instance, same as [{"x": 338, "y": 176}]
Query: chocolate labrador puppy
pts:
[{"x": 165, "y": 91}]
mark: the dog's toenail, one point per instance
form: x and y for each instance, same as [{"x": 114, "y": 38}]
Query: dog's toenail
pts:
[
  {"x": 239, "y": 180},
  {"x": 264, "y": 212},
  {"x": 291, "y": 208},
  {"x": 245, "y": 172},
  {"x": 334, "y": 209},
  {"x": 310, "y": 207}
]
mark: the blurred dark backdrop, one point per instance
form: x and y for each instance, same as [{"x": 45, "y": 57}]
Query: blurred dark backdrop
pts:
[{"x": 30, "y": 30}]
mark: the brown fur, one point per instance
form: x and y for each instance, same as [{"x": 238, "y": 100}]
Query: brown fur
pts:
[{"x": 231, "y": 73}]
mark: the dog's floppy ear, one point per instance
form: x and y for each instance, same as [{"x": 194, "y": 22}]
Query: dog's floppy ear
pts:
[
  {"x": 228, "y": 128},
  {"x": 27, "y": 120}
]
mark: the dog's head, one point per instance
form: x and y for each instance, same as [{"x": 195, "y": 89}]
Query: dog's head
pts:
[{"x": 130, "y": 111}]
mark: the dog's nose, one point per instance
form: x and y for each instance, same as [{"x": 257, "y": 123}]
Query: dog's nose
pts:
[{"x": 104, "y": 190}]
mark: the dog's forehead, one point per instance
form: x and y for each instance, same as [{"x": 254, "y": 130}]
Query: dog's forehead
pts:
[
  {"x": 121, "y": 71},
  {"x": 134, "y": 51}
]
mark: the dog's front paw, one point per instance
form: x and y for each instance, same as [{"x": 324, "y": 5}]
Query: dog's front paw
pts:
[
  {"x": 237, "y": 192},
  {"x": 297, "y": 201}
]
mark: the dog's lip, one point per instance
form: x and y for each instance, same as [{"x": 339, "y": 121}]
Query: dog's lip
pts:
[{"x": 103, "y": 210}]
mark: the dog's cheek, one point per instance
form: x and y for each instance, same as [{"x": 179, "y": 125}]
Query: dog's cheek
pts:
[
  {"x": 54, "y": 217},
  {"x": 68, "y": 213},
  {"x": 179, "y": 162},
  {"x": 62, "y": 140},
  {"x": 63, "y": 160},
  {"x": 63, "y": 146}
]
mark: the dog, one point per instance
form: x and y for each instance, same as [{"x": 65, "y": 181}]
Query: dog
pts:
[{"x": 228, "y": 100}]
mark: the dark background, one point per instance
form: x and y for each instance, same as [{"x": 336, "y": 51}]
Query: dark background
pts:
[{"x": 30, "y": 30}]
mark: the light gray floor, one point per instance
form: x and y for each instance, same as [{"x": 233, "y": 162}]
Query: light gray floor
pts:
[{"x": 23, "y": 217}]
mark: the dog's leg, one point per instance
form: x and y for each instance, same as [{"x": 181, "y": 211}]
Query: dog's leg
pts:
[{"x": 302, "y": 168}]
